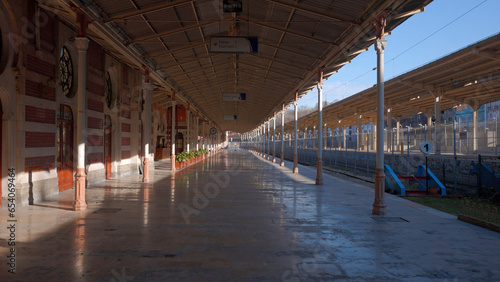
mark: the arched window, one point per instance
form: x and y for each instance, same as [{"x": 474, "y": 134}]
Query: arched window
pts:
[{"x": 66, "y": 72}]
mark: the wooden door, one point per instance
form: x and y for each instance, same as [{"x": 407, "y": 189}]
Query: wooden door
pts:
[
  {"x": 107, "y": 146},
  {"x": 65, "y": 154}
]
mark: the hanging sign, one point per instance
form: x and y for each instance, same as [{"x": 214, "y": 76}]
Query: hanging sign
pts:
[
  {"x": 229, "y": 96},
  {"x": 232, "y": 6},
  {"x": 230, "y": 117},
  {"x": 234, "y": 44}
]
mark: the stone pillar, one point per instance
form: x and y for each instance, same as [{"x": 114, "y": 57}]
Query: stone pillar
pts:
[
  {"x": 295, "y": 114},
  {"x": 282, "y": 158},
  {"x": 379, "y": 207},
  {"x": 81, "y": 44},
  {"x": 268, "y": 140},
  {"x": 274, "y": 138},
  {"x": 437, "y": 129},
  {"x": 319, "y": 162},
  {"x": 358, "y": 132},
  {"x": 429, "y": 127},
  {"x": 389, "y": 130},
  {"x": 203, "y": 136},
  {"x": 197, "y": 120},
  {"x": 314, "y": 137},
  {"x": 188, "y": 113},
  {"x": 174, "y": 135},
  {"x": 146, "y": 88},
  {"x": 474, "y": 128}
]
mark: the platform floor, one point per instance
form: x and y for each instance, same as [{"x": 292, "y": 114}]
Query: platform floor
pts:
[{"x": 237, "y": 217}]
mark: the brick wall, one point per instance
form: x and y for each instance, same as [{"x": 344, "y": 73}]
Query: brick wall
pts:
[
  {"x": 125, "y": 127},
  {"x": 125, "y": 155},
  {"x": 93, "y": 122},
  {"x": 39, "y": 163},
  {"x": 95, "y": 105},
  {"x": 39, "y": 139},
  {"x": 40, "y": 90},
  {"x": 95, "y": 158},
  {"x": 40, "y": 115},
  {"x": 95, "y": 140},
  {"x": 40, "y": 66},
  {"x": 95, "y": 88},
  {"x": 125, "y": 113},
  {"x": 125, "y": 141}
]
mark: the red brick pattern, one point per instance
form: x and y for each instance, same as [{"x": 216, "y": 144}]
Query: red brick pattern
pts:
[
  {"x": 93, "y": 122},
  {"x": 40, "y": 66},
  {"x": 95, "y": 88},
  {"x": 125, "y": 155},
  {"x": 125, "y": 113},
  {"x": 95, "y": 105},
  {"x": 39, "y": 163},
  {"x": 95, "y": 158},
  {"x": 95, "y": 56},
  {"x": 95, "y": 140},
  {"x": 125, "y": 127},
  {"x": 39, "y": 139},
  {"x": 40, "y": 115},
  {"x": 125, "y": 141},
  {"x": 40, "y": 90}
]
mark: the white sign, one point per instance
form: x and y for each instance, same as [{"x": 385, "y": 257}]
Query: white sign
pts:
[
  {"x": 230, "y": 117},
  {"x": 426, "y": 147},
  {"x": 230, "y": 96},
  {"x": 233, "y": 44}
]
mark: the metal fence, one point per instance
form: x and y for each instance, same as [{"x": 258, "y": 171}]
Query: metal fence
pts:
[{"x": 453, "y": 138}]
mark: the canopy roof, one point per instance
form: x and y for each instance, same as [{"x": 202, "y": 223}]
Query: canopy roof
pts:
[
  {"x": 469, "y": 76},
  {"x": 295, "y": 39}
]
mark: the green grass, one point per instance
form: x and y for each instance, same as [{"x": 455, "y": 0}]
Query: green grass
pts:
[
  {"x": 454, "y": 206},
  {"x": 451, "y": 206}
]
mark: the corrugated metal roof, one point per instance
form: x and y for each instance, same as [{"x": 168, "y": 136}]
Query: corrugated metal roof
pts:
[{"x": 295, "y": 39}]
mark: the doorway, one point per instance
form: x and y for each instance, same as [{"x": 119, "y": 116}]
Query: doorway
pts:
[
  {"x": 65, "y": 148},
  {"x": 179, "y": 146},
  {"x": 107, "y": 146}
]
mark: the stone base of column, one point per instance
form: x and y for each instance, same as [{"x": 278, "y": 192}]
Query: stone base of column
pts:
[
  {"x": 172, "y": 161},
  {"x": 295, "y": 164},
  {"x": 145, "y": 174},
  {"x": 274, "y": 159},
  {"x": 319, "y": 172},
  {"x": 80, "y": 177},
  {"x": 379, "y": 203}
]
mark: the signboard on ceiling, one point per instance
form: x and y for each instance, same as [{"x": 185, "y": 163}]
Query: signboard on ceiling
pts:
[
  {"x": 230, "y": 96},
  {"x": 232, "y": 6},
  {"x": 234, "y": 44},
  {"x": 230, "y": 117}
]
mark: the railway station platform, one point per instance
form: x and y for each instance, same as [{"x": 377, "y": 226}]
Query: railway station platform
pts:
[{"x": 237, "y": 217}]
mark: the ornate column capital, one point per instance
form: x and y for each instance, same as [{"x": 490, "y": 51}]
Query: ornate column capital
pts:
[
  {"x": 380, "y": 45},
  {"x": 81, "y": 43}
]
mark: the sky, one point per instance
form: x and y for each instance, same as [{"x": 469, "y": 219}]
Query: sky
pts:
[{"x": 443, "y": 28}]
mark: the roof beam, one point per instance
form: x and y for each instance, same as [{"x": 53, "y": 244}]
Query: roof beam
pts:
[
  {"x": 325, "y": 41},
  {"x": 150, "y": 9},
  {"x": 313, "y": 11},
  {"x": 185, "y": 28}
]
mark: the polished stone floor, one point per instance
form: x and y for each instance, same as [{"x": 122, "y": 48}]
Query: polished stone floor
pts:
[{"x": 237, "y": 217}]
